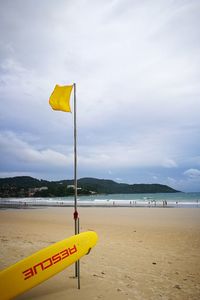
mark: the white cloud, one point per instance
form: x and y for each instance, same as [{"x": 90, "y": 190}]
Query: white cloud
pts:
[
  {"x": 193, "y": 173},
  {"x": 189, "y": 182},
  {"x": 125, "y": 156}
]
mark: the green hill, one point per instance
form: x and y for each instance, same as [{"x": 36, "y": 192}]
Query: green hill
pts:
[
  {"x": 26, "y": 186},
  {"x": 112, "y": 187}
]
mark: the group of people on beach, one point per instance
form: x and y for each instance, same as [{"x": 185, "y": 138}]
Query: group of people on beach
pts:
[{"x": 164, "y": 203}]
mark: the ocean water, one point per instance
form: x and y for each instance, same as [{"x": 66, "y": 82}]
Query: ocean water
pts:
[{"x": 176, "y": 200}]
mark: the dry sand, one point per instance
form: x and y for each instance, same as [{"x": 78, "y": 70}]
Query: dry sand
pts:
[{"x": 142, "y": 253}]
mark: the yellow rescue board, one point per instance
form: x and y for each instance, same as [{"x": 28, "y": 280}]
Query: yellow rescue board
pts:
[{"x": 44, "y": 264}]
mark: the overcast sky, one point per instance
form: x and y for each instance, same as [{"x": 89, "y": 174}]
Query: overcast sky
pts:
[{"x": 137, "y": 69}]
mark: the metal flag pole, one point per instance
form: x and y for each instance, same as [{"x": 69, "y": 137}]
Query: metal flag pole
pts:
[{"x": 76, "y": 216}]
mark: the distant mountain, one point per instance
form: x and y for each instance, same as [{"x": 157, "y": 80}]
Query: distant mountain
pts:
[
  {"x": 26, "y": 186},
  {"x": 111, "y": 187}
]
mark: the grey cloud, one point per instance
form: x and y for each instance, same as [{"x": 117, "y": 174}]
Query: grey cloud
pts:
[
  {"x": 17, "y": 152},
  {"x": 136, "y": 65}
]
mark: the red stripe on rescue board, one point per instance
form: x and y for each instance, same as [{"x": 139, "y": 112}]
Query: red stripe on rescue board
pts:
[{"x": 48, "y": 262}]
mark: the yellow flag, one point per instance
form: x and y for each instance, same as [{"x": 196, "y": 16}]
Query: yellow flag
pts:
[{"x": 60, "y": 98}]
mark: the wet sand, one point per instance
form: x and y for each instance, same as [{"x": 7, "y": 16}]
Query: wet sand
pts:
[{"x": 142, "y": 253}]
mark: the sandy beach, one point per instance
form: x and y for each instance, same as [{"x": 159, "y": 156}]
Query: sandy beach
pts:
[{"x": 142, "y": 253}]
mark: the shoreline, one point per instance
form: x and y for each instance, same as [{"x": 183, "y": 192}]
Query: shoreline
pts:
[
  {"x": 29, "y": 203},
  {"x": 40, "y": 206},
  {"x": 175, "y": 200}
]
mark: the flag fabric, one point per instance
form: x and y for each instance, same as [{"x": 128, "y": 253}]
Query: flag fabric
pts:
[{"x": 60, "y": 98}]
